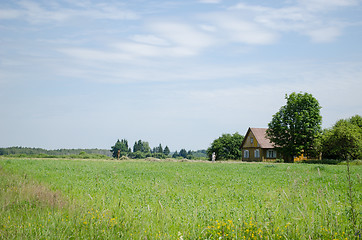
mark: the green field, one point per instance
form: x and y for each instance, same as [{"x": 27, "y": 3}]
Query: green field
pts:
[{"x": 101, "y": 199}]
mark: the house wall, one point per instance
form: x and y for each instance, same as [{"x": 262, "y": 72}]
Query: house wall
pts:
[
  {"x": 251, "y": 144},
  {"x": 267, "y": 158},
  {"x": 252, "y": 157},
  {"x": 263, "y": 155}
]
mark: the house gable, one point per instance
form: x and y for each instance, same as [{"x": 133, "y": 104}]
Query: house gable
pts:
[{"x": 250, "y": 140}]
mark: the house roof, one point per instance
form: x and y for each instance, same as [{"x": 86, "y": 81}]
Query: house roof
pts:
[{"x": 260, "y": 135}]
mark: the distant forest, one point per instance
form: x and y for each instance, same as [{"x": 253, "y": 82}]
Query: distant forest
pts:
[
  {"x": 57, "y": 152},
  {"x": 87, "y": 153}
]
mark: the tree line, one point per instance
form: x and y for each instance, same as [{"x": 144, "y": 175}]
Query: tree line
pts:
[
  {"x": 141, "y": 149},
  {"x": 296, "y": 129},
  {"x": 58, "y": 152}
]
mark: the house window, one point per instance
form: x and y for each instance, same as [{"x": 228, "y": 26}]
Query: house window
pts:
[
  {"x": 271, "y": 154},
  {"x": 251, "y": 140},
  {"x": 257, "y": 153},
  {"x": 246, "y": 153}
]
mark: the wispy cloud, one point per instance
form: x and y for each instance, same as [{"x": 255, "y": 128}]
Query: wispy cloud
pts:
[
  {"x": 324, "y": 5},
  {"x": 307, "y": 17},
  {"x": 325, "y": 34},
  {"x": 182, "y": 36},
  {"x": 43, "y": 12},
  {"x": 210, "y": 1},
  {"x": 234, "y": 28}
]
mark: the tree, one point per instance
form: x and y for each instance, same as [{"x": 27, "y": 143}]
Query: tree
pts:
[
  {"x": 120, "y": 147},
  {"x": 137, "y": 146},
  {"x": 175, "y": 154},
  {"x": 166, "y": 151},
  {"x": 295, "y": 128},
  {"x": 189, "y": 155},
  {"x": 146, "y": 147},
  {"x": 141, "y": 146},
  {"x": 183, "y": 153},
  {"x": 344, "y": 140},
  {"x": 159, "y": 149},
  {"x": 226, "y": 147}
]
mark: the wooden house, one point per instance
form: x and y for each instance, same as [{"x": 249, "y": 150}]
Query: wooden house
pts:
[{"x": 256, "y": 147}]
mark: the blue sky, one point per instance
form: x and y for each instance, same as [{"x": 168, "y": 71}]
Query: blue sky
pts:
[{"x": 81, "y": 74}]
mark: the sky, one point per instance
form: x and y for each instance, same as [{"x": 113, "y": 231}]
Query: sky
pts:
[{"x": 82, "y": 74}]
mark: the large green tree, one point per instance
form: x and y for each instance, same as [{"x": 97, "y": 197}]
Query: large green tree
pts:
[
  {"x": 344, "y": 140},
  {"x": 295, "y": 128},
  {"x": 226, "y": 147}
]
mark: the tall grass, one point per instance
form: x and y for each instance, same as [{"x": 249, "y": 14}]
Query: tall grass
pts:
[{"x": 175, "y": 200}]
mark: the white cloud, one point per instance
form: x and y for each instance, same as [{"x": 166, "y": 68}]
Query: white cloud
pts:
[
  {"x": 323, "y": 5},
  {"x": 210, "y": 1},
  {"x": 9, "y": 13},
  {"x": 307, "y": 18},
  {"x": 94, "y": 55},
  {"x": 182, "y": 34},
  {"x": 36, "y": 12},
  {"x": 324, "y": 34},
  {"x": 231, "y": 27},
  {"x": 150, "y": 39}
]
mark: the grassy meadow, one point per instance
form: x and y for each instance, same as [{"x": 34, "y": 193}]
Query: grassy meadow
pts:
[{"x": 103, "y": 199}]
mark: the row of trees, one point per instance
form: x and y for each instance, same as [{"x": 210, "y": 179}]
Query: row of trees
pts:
[
  {"x": 56, "y": 152},
  {"x": 142, "y": 149},
  {"x": 296, "y": 129}
]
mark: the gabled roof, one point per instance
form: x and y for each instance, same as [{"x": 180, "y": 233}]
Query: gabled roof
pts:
[{"x": 260, "y": 135}]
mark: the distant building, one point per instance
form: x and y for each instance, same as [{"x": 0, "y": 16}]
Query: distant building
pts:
[{"x": 256, "y": 147}]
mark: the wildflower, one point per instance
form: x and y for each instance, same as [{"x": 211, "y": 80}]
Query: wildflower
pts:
[{"x": 180, "y": 236}]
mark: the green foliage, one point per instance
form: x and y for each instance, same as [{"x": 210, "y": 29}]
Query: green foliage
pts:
[
  {"x": 158, "y": 149},
  {"x": 158, "y": 155},
  {"x": 295, "y": 128},
  {"x": 227, "y": 147},
  {"x": 168, "y": 200},
  {"x": 121, "y": 147},
  {"x": 166, "y": 151},
  {"x": 343, "y": 140},
  {"x": 199, "y": 154},
  {"x": 141, "y": 146},
  {"x": 183, "y": 153}
]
